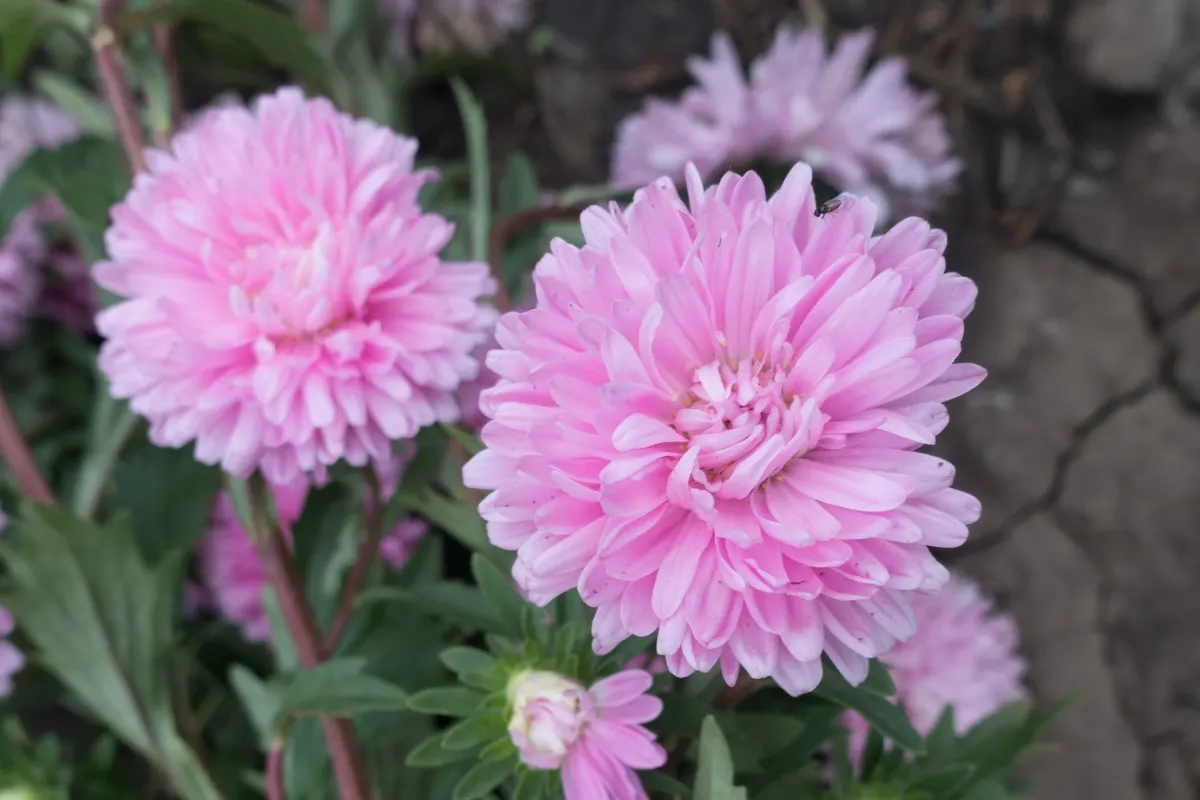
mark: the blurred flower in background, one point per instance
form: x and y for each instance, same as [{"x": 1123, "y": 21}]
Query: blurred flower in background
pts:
[
  {"x": 964, "y": 656},
  {"x": 864, "y": 131},
  {"x": 441, "y": 27},
  {"x": 233, "y": 574},
  {"x": 27, "y": 124}
]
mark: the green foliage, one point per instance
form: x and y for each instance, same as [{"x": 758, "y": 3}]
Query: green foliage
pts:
[
  {"x": 102, "y": 624},
  {"x": 338, "y": 688},
  {"x": 714, "y": 772},
  {"x": 24, "y": 24}
]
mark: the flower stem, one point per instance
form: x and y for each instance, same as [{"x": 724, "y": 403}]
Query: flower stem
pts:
[
  {"x": 368, "y": 548},
  {"x": 164, "y": 45},
  {"x": 344, "y": 750},
  {"x": 510, "y": 225},
  {"x": 275, "y": 783},
  {"x": 20, "y": 461},
  {"x": 112, "y": 80}
]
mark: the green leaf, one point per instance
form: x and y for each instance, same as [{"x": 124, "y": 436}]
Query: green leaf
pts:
[
  {"x": 878, "y": 680},
  {"x": 259, "y": 699},
  {"x": 101, "y": 622},
  {"x": 714, "y": 772},
  {"x": 456, "y": 701},
  {"x": 661, "y": 783},
  {"x": 93, "y": 115},
  {"x": 474, "y": 731},
  {"x": 945, "y": 782},
  {"x": 888, "y": 717},
  {"x": 460, "y": 520},
  {"x": 88, "y": 175},
  {"x": 872, "y": 752},
  {"x": 466, "y": 660},
  {"x": 500, "y": 592},
  {"x": 475, "y": 128},
  {"x": 433, "y": 752},
  {"x": 819, "y": 722},
  {"x": 458, "y": 603},
  {"x": 24, "y": 24},
  {"x": 517, "y": 191},
  {"x": 169, "y": 495},
  {"x": 276, "y": 36},
  {"x": 339, "y": 688},
  {"x": 469, "y": 441},
  {"x": 483, "y": 777}
]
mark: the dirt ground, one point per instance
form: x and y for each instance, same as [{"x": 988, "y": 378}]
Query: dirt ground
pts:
[{"x": 1080, "y": 219}]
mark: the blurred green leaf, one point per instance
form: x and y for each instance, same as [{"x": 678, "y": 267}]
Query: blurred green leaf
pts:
[
  {"x": 282, "y": 646},
  {"x": 459, "y": 519},
  {"x": 93, "y": 115},
  {"x": 474, "y": 731},
  {"x": 945, "y": 782},
  {"x": 878, "y": 680},
  {"x": 475, "y": 127},
  {"x": 449, "y": 701},
  {"x": 460, "y": 604},
  {"x": 169, "y": 494},
  {"x": 714, "y": 772},
  {"x": 102, "y": 622},
  {"x": 276, "y": 36},
  {"x": 881, "y": 713},
  {"x": 338, "y": 688},
  {"x": 500, "y": 592},
  {"x": 483, "y": 777},
  {"x": 433, "y": 752},
  {"x": 469, "y": 441},
  {"x": 466, "y": 660},
  {"x": 88, "y": 175},
  {"x": 25, "y": 23},
  {"x": 260, "y": 700}
]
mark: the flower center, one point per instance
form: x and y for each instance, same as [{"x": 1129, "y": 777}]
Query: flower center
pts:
[{"x": 743, "y": 423}]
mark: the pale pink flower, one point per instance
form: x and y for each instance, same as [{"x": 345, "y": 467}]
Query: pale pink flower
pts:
[
  {"x": 864, "y": 131},
  {"x": 595, "y": 736},
  {"x": 712, "y": 125},
  {"x": 709, "y": 426},
  {"x": 287, "y": 307},
  {"x": 26, "y": 124},
  {"x": 964, "y": 655},
  {"x": 233, "y": 574}
]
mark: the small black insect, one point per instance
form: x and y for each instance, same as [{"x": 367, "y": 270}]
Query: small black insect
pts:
[{"x": 828, "y": 207}]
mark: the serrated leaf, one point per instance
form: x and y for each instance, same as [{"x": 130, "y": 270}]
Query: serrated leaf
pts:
[
  {"x": 483, "y": 777},
  {"x": 888, "y": 717},
  {"x": 714, "y": 772},
  {"x": 501, "y": 594},
  {"x": 433, "y": 752},
  {"x": 259, "y": 699},
  {"x": 276, "y": 36},
  {"x": 339, "y": 688},
  {"x": 456, "y": 701},
  {"x": 169, "y": 495},
  {"x": 101, "y": 622}
]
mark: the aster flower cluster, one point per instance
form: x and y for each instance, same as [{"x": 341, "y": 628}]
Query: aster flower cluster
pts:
[
  {"x": 868, "y": 132},
  {"x": 27, "y": 124}
]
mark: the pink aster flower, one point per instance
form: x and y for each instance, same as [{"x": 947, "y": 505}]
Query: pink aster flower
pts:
[
  {"x": 864, "y": 131},
  {"x": 712, "y": 125},
  {"x": 234, "y": 575},
  {"x": 595, "y": 736},
  {"x": 287, "y": 307},
  {"x": 964, "y": 655},
  {"x": 709, "y": 425},
  {"x": 26, "y": 124}
]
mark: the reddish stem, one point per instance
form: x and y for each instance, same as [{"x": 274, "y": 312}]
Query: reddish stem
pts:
[
  {"x": 368, "y": 548},
  {"x": 301, "y": 623},
  {"x": 112, "y": 81},
  {"x": 275, "y": 783},
  {"x": 511, "y": 224},
  {"x": 19, "y": 460}
]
